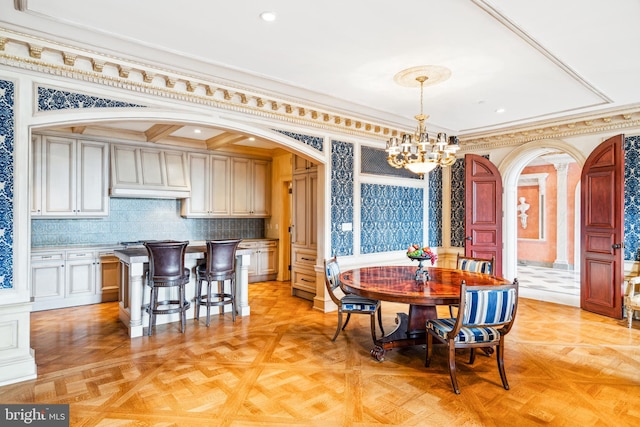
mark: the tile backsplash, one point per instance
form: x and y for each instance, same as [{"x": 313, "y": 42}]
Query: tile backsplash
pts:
[{"x": 141, "y": 219}]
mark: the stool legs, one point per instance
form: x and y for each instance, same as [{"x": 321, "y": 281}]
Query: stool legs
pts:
[{"x": 219, "y": 298}]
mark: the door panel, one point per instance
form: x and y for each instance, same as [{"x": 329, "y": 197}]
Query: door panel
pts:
[
  {"x": 483, "y": 210},
  {"x": 602, "y": 229}
]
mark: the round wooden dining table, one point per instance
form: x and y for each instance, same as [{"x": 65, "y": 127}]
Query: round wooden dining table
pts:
[{"x": 439, "y": 286}]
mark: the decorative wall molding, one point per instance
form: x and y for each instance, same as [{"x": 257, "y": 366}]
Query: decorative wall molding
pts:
[{"x": 31, "y": 53}]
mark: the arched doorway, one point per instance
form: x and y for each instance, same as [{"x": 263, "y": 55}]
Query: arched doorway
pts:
[{"x": 559, "y": 154}]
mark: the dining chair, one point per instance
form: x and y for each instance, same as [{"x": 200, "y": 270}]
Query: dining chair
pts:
[
  {"x": 485, "y": 317},
  {"x": 167, "y": 270},
  {"x": 476, "y": 265},
  {"x": 632, "y": 297},
  {"x": 219, "y": 267},
  {"x": 349, "y": 303}
]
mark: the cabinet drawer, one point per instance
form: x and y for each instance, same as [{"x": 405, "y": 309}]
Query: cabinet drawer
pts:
[
  {"x": 80, "y": 255},
  {"x": 304, "y": 258},
  {"x": 304, "y": 280},
  {"x": 48, "y": 256}
]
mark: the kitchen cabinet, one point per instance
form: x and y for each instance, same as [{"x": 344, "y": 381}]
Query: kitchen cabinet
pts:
[
  {"x": 263, "y": 260},
  {"x": 210, "y": 177},
  {"x": 68, "y": 278},
  {"x": 304, "y": 228},
  {"x": 250, "y": 187},
  {"x": 69, "y": 177},
  {"x": 47, "y": 279},
  {"x": 148, "y": 172}
]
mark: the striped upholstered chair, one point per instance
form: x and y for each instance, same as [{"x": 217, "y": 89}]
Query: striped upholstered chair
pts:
[
  {"x": 485, "y": 316},
  {"x": 477, "y": 265},
  {"x": 349, "y": 303}
]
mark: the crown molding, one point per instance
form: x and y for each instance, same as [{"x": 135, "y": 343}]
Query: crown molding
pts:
[{"x": 40, "y": 55}]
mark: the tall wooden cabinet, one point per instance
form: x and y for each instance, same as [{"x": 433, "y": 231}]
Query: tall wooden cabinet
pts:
[{"x": 304, "y": 228}]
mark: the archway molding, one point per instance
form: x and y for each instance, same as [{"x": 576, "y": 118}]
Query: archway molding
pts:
[{"x": 510, "y": 168}]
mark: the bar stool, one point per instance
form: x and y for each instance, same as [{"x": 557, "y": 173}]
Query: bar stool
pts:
[
  {"x": 219, "y": 266},
  {"x": 166, "y": 270}
]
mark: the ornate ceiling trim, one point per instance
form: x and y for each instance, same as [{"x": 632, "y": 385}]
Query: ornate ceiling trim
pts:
[{"x": 44, "y": 56}]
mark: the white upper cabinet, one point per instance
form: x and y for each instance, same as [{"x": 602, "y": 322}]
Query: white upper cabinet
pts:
[
  {"x": 210, "y": 187},
  {"x": 225, "y": 187},
  {"x": 148, "y": 172},
  {"x": 250, "y": 187},
  {"x": 73, "y": 177}
]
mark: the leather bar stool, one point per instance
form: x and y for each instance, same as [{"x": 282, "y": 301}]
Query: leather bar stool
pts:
[
  {"x": 219, "y": 266},
  {"x": 166, "y": 270}
]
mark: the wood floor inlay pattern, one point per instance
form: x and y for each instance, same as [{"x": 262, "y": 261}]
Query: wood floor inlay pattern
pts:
[{"x": 279, "y": 367}]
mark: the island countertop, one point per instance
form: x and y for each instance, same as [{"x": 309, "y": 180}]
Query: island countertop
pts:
[{"x": 134, "y": 294}]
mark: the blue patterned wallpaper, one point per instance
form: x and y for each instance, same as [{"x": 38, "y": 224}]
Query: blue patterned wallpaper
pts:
[
  {"x": 457, "y": 204},
  {"x": 141, "y": 219},
  {"x": 55, "y": 99},
  {"x": 435, "y": 208},
  {"x": 312, "y": 141},
  {"x": 392, "y": 217},
  {"x": 7, "y": 126},
  {"x": 632, "y": 198},
  {"x": 342, "y": 178}
]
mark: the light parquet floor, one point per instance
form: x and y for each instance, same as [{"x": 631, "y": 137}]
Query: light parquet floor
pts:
[{"x": 278, "y": 367}]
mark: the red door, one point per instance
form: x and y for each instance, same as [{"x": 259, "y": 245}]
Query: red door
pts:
[
  {"x": 483, "y": 210},
  {"x": 602, "y": 184}
]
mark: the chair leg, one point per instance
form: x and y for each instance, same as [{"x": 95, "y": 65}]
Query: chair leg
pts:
[
  {"x": 452, "y": 366},
  {"x": 373, "y": 327},
  {"x": 208, "y": 302},
  {"x": 429, "y": 352},
  {"x": 472, "y": 356},
  {"x": 380, "y": 321},
  {"x": 346, "y": 322},
  {"x": 339, "y": 325},
  {"x": 233, "y": 298},
  {"x": 196, "y": 309},
  {"x": 183, "y": 313},
  {"x": 500, "y": 359},
  {"x": 153, "y": 298},
  {"x": 630, "y": 316}
]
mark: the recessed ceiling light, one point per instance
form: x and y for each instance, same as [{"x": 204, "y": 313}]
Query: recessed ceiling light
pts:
[
  {"x": 500, "y": 110},
  {"x": 268, "y": 16},
  {"x": 252, "y": 138},
  {"x": 197, "y": 131}
]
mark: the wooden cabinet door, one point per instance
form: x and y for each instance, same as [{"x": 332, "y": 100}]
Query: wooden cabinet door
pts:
[
  {"x": 59, "y": 176},
  {"x": 36, "y": 175},
  {"x": 261, "y": 188},
  {"x": 602, "y": 216},
  {"x": 47, "y": 277},
  {"x": 220, "y": 190},
  {"x": 80, "y": 275},
  {"x": 92, "y": 196},
  {"x": 198, "y": 204},
  {"x": 240, "y": 185},
  {"x": 299, "y": 210}
]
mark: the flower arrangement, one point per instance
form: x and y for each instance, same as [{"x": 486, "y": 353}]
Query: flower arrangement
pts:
[{"x": 425, "y": 252}]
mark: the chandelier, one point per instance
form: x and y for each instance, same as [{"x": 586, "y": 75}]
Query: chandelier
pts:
[{"x": 416, "y": 152}]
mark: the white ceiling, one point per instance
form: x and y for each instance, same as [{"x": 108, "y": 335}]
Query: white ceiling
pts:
[{"x": 536, "y": 59}]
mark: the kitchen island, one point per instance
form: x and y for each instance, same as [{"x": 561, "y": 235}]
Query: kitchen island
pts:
[{"x": 134, "y": 294}]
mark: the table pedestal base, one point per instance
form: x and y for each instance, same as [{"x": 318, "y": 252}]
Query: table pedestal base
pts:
[{"x": 410, "y": 330}]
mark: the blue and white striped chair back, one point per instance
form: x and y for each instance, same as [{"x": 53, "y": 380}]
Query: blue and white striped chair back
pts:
[
  {"x": 332, "y": 272},
  {"x": 476, "y": 266},
  {"x": 489, "y": 307}
]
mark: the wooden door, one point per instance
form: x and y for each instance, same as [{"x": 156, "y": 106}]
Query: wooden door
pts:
[
  {"x": 483, "y": 210},
  {"x": 601, "y": 222}
]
